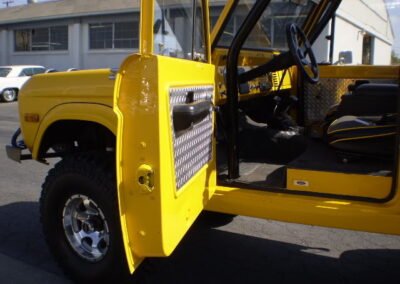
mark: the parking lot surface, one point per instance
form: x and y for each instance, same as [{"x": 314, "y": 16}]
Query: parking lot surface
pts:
[{"x": 245, "y": 250}]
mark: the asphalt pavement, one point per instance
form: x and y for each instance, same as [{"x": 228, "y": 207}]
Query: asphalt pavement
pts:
[{"x": 245, "y": 250}]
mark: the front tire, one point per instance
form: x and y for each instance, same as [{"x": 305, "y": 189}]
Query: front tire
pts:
[
  {"x": 9, "y": 95},
  {"x": 80, "y": 219}
]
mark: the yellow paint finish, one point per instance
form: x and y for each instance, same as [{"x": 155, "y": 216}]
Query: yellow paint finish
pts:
[
  {"x": 314, "y": 17},
  {"x": 339, "y": 183},
  {"x": 146, "y": 27},
  {"x": 43, "y": 93},
  {"x": 359, "y": 72},
  {"x": 328, "y": 212},
  {"x": 246, "y": 57},
  {"x": 100, "y": 114},
  {"x": 251, "y": 59},
  {"x": 224, "y": 14},
  {"x": 154, "y": 221},
  {"x": 281, "y": 76}
]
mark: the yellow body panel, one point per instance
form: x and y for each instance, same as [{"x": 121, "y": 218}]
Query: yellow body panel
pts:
[
  {"x": 339, "y": 183},
  {"x": 155, "y": 220},
  {"x": 48, "y": 95},
  {"x": 329, "y": 212},
  {"x": 224, "y": 14},
  {"x": 97, "y": 113},
  {"x": 360, "y": 72}
]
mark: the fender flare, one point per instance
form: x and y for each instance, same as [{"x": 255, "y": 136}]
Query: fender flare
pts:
[{"x": 97, "y": 113}]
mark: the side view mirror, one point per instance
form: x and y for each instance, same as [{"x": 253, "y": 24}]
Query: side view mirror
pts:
[{"x": 345, "y": 57}]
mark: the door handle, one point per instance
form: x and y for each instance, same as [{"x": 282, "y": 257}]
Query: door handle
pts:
[{"x": 186, "y": 115}]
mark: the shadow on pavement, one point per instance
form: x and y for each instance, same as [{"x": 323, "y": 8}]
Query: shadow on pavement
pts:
[
  {"x": 21, "y": 236},
  {"x": 210, "y": 255}
]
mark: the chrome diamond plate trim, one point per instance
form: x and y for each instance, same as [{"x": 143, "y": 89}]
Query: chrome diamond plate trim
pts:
[
  {"x": 193, "y": 149},
  {"x": 320, "y": 97}
]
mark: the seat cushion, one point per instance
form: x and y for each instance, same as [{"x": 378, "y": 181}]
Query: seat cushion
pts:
[{"x": 366, "y": 135}]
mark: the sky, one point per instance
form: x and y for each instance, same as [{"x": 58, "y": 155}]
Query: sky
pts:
[
  {"x": 393, "y": 7},
  {"x": 394, "y": 12}
]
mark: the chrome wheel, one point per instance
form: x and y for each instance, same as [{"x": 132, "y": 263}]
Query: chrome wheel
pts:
[
  {"x": 86, "y": 228},
  {"x": 9, "y": 95}
]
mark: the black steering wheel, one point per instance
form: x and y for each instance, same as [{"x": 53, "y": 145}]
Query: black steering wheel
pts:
[{"x": 300, "y": 52}]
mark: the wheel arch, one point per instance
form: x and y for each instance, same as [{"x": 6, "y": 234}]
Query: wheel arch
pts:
[{"x": 72, "y": 119}]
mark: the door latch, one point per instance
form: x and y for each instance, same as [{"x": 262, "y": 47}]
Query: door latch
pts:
[{"x": 145, "y": 178}]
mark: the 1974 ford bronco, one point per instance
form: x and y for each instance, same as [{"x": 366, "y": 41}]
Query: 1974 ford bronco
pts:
[{"x": 239, "y": 120}]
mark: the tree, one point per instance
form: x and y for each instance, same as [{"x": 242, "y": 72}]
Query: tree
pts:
[{"x": 395, "y": 58}]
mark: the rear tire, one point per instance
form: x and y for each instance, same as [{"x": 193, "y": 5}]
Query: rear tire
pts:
[
  {"x": 9, "y": 95},
  {"x": 80, "y": 219}
]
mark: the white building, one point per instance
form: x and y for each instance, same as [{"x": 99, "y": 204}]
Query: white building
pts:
[
  {"x": 362, "y": 27},
  {"x": 70, "y": 33},
  {"x": 99, "y": 33}
]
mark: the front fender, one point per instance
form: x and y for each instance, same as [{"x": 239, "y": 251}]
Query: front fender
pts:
[{"x": 97, "y": 113}]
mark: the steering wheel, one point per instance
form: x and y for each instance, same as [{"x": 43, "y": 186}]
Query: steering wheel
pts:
[{"x": 300, "y": 52}]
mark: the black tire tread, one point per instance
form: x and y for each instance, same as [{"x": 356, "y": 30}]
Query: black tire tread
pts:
[{"x": 99, "y": 168}]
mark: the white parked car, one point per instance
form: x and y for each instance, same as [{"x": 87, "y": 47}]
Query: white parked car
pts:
[{"x": 12, "y": 78}]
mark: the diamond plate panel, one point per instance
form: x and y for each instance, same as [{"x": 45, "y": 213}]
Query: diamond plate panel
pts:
[
  {"x": 193, "y": 149},
  {"x": 318, "y": 98}
]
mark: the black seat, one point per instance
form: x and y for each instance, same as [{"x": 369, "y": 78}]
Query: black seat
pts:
[
  {"x": 370, "y": 136},
  {"x": 368, "y": 100},
  {"x": 366, "y": 121}
]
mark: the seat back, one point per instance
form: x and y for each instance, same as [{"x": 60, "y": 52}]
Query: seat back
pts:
[{"x": 369, "y": 100}]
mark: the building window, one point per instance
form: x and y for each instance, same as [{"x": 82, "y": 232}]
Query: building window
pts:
[
  {"x": 114, "y": 35},
  {"x": 42, "y": 39},
  {"x": 368, "y": 49}
]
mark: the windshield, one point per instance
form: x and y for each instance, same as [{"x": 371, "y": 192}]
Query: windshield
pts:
[
  {"x": 179, "y": 29},
  {"x": 4, "y": 71},
  {"x": 269, "y": 33}
]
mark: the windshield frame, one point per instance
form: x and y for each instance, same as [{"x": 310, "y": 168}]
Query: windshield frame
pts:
[
  {"x": 167, "y": 42},
  {"x": 229, "y": 11}
]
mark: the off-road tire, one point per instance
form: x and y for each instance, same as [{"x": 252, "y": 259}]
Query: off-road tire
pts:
[{"x": 91, "y": 175}]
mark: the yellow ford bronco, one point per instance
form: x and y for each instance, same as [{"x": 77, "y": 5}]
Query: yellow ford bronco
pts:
[{"x": 238, "y": 119}]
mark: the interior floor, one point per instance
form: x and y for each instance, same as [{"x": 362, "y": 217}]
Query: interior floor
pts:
[
  {"x": 261, "y": 174},
  {"x": 320, "y": 156},
  {"x": 271, "y": 173}
]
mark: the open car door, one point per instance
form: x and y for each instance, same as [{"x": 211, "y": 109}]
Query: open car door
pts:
[{"x": 163, "y": 100}]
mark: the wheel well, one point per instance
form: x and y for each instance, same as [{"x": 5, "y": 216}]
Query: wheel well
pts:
[
  {"x": 14, "y": 88},
  {"x": 67, "y": 136}
]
